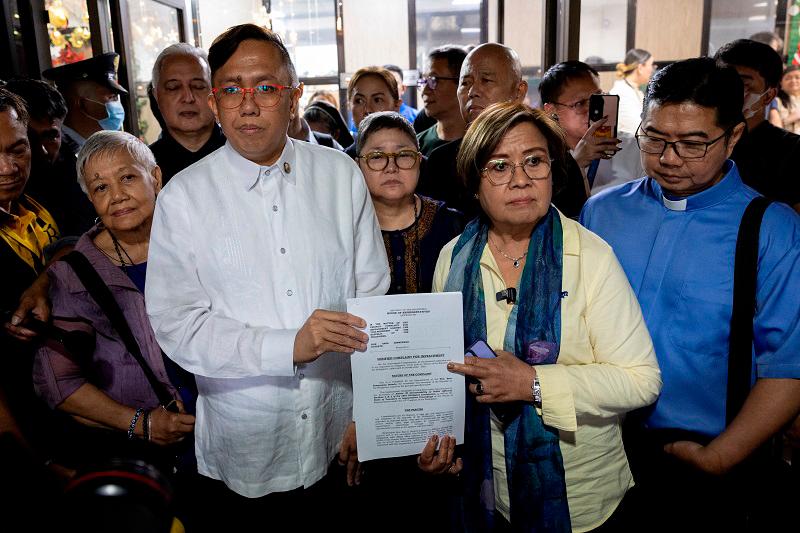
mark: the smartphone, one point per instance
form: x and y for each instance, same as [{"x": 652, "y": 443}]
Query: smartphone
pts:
[
  {"x": 604, "y": 105},
  {"x": 480, "y": 349}
]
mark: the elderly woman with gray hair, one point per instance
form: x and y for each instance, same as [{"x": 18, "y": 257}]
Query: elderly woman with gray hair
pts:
[{"x": 118, "y": 389}]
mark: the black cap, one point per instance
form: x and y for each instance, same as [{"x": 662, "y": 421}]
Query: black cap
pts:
[{"x": 101, "y": 69}]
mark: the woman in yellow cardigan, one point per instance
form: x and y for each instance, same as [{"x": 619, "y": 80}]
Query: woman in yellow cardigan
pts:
[{"x": 543, "y": 449}]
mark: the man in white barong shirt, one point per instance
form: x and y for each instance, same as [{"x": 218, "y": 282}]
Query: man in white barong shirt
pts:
[{"x": 254, "y": 251}]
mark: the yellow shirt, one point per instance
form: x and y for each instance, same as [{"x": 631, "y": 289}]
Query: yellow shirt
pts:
[
  {"x": 28, "y": 231},
  {"x": 606, "y": 367}
]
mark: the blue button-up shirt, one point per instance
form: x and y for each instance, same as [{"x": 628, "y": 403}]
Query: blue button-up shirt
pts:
[{"x": 679, "y": 258}]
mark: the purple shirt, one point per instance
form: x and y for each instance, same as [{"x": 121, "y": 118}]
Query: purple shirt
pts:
[{"x": 114, "y": 370}]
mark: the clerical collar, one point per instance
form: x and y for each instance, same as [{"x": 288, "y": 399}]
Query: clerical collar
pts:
[
  {"x": 674, "y": 205},
  {"x": 711, "y": 196}
]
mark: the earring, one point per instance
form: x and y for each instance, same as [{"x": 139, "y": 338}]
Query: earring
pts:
[
  {"x": 554, "y": 116},
  {"x": 476, "y": 196}
]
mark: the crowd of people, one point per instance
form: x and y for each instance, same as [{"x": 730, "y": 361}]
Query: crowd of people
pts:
[{"x": 181, "y": 306}]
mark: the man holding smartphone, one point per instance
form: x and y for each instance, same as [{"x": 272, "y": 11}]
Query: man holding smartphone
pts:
[{"x": 566, "y": 90}]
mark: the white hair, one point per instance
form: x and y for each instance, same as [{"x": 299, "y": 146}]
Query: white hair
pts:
[
  {"x": 180, "y": 49},
  {"x": 108, "y": 142}
]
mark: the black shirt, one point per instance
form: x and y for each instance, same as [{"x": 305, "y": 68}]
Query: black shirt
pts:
[
  {"x": 439, "y": 180},
  {"x": 55, "y": 186},
  {"x": 768, "y": 159},
  {"x": 351, "y": 151},
  {"x": 172, "y": 157},
  {"x": 423, "y": 121},
  {"x": 413, "y": 251},
  {"x": 16, "y": 358},
  {"x": 570, "y": 196}
]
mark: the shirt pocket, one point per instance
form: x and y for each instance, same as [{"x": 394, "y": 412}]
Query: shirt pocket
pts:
[{"x": 700, "y": 321}]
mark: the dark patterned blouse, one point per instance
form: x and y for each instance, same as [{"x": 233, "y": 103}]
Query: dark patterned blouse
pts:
[{"x": 413, "y": 251}]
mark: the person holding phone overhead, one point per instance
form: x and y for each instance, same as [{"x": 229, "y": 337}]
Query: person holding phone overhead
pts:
[
  {"x": 605, "y": 156},
  {"x": 542, "y": 450}
]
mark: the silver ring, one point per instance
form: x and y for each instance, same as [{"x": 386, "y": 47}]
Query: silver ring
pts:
[{"x": 479, "y": 389}]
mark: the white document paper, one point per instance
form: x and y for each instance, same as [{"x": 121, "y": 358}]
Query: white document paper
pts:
[{"x": 402, "y": 391}]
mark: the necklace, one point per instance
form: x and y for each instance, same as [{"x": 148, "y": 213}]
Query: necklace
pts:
[
  {"x": 120, "y": 249},
  {"x": 514, "y": 260}
]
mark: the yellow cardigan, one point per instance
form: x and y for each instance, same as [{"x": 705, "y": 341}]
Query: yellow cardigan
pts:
[{"x": 606, "y": 368}]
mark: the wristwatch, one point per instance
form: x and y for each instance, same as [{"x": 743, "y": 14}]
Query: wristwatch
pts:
[{"x": 536, "y": 390}]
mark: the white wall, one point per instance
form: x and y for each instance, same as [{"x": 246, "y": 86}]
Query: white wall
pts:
[
  {"x": 523, "y": 30},
  {"x": 375, "y": 33},
  {"x": 217, "y": 16},
  {"x": 604, "y": 29}
]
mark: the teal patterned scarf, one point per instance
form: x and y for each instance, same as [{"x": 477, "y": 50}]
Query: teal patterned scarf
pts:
[{"x": 534, "y": 467}]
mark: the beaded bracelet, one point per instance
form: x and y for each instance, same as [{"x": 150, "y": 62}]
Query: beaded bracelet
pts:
[
  {"x": 146, "y": 425},
  {"x": 135, "y": 419}
]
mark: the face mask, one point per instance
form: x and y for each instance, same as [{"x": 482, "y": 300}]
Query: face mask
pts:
[
  {"x": 115, "y": 115},
  {"x": 749, "y": 108}
]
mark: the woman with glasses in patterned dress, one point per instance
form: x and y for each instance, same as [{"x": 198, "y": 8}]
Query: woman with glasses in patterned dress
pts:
[
  {"x": 415, "y": 228},
  {"x": 543, "y": 448}
]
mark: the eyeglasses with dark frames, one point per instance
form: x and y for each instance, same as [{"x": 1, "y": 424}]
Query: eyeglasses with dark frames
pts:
[
  {"x": 433, "y": 81},
  {"x": 404, "y": 159},
  {"x": 684, "y": 149},
  {"x": 264, "y": 95}
]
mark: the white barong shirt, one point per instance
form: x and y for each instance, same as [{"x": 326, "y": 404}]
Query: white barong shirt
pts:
[{"x": 240, "y": 256}]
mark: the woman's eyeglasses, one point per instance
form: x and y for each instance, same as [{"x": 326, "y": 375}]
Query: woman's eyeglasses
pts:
[
  {"x": 404, "y": 159},
  {"x": 501, "y": 171}
]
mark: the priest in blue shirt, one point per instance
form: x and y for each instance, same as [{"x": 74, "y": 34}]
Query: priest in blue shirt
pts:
[{"x": 675, "y": 234}]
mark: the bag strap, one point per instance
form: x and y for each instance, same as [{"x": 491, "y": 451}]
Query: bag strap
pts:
[
  {"x": 740, "y": 350},
  {"x": 101, "y": 294}
]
